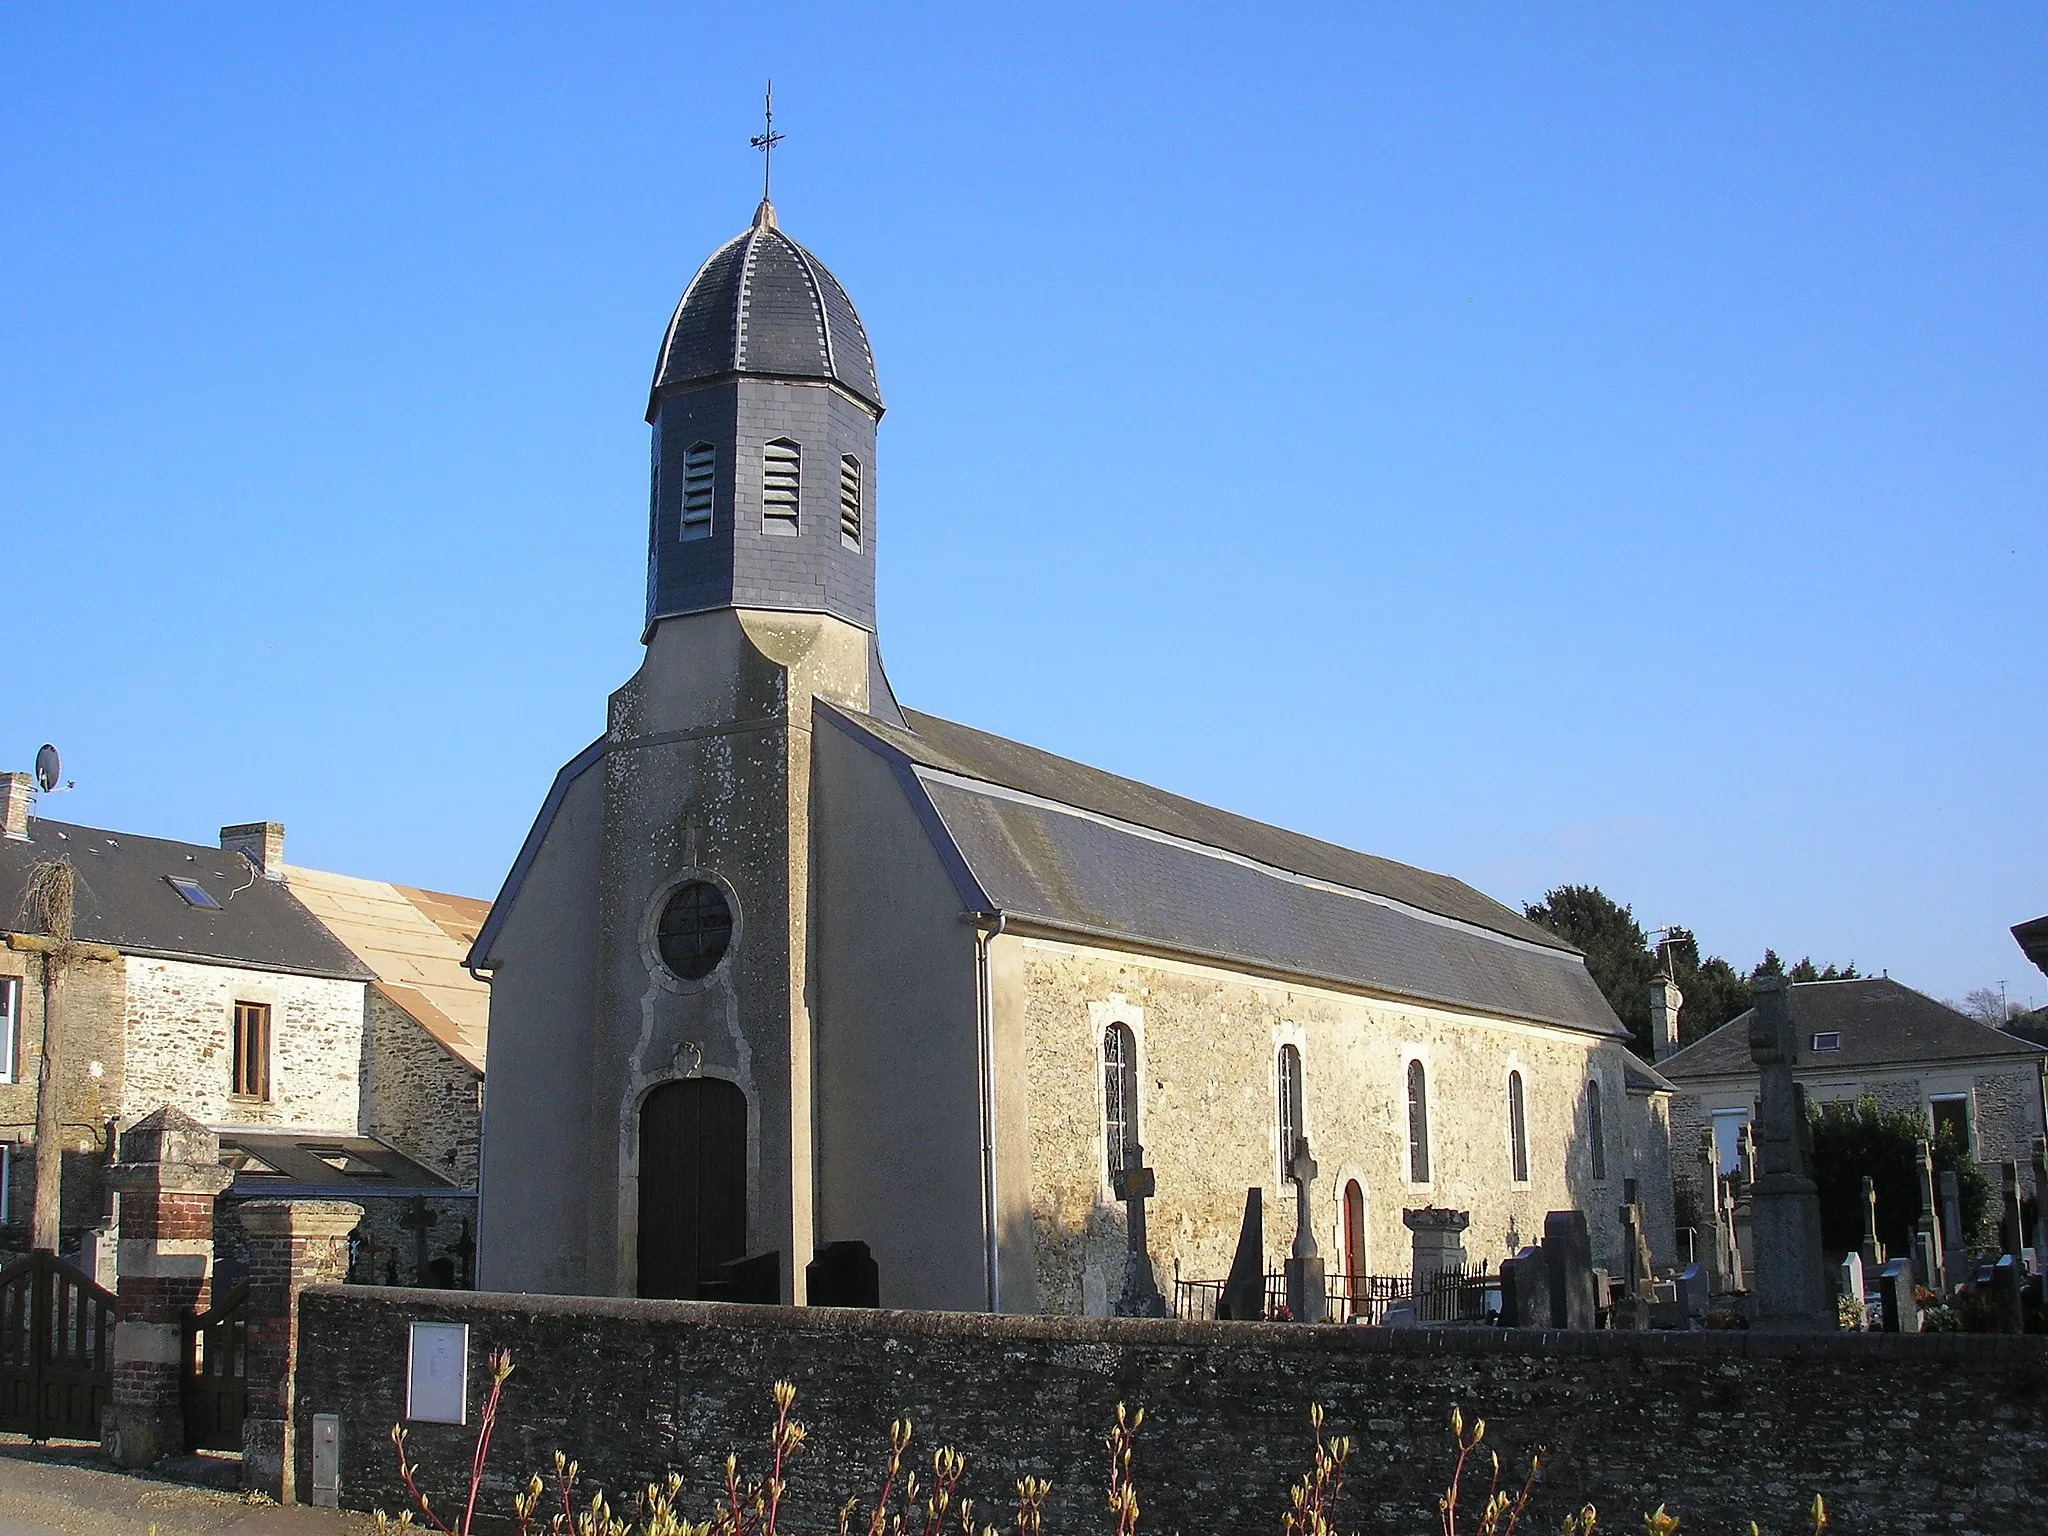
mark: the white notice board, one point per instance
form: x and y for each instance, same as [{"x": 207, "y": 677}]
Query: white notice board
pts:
[{"x": 437, "y": 1374}]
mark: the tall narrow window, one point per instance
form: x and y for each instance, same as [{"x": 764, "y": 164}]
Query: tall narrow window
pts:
[
  {"x": 1418, "y": 1124},
  {"x": 1290, "y": 1105},
  {"x": 700, "y": 476},
  {"x": 1119, "y": 1096},
  {"x": 1518, "y": 1130},
  {"x": 1354, "y": 1241},
  {"x": 782, "y": 466},
  {"x": 1596, "y": 1132},
  {"x": 849, "y": 502},
  {"x": 6, "y": 1181},
  {"x": 252, "y": 1050},
  {"x": 10, "y": 1027}
]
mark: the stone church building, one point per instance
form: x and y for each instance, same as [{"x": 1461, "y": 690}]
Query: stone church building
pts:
[{"x": 782, "y": 963}]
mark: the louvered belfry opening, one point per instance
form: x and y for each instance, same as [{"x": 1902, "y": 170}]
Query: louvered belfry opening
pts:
[
  {"x": 700, "y": 474},
  {"x": 781, "y": 480},
  {"x": 849, "y": 501}
]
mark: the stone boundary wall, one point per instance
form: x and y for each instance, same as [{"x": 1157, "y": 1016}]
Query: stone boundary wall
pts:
[{"x": 1899, "y": 1434}]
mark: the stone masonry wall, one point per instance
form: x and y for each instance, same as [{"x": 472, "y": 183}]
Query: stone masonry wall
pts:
[
  {"x": 1208, "y": 1041},
  {"x": 1898, "y": 1434},
  {"x": 423, "y": 1099},
  {"x": 2009, "y": 1116},
  {"x": 91, "y": 1089},
  {"x": 180, "y": 1019}
]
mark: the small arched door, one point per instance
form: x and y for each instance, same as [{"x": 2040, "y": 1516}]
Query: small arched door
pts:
[
  {"x": 693, "y": 1185},
  {"x": 1354, "y": 1243}
]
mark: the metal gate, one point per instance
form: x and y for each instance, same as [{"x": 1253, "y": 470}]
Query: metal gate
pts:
[
  {"x": 217, "y": 1373},
  {"x": 56, "y": 1349}
]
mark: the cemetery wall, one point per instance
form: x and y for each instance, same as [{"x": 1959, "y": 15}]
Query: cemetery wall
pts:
[
  {"x": 1208, "y": 1042},
  {"x": 1899, "y": 1434}
]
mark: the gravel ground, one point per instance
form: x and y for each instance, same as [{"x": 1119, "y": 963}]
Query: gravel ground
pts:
[{"x": 74, "y": 1491}]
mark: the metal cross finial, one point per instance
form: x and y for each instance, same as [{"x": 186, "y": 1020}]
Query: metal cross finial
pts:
[{"x": 767, "y": 140}]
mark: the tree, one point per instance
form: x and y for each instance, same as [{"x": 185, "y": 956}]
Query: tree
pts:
[
  {"x": 1617, "y": 953},
  {"x": 1988, "y": 1005},
  {"x": 48, "y": 904},
  {"x": 1852, "y": 1141}
]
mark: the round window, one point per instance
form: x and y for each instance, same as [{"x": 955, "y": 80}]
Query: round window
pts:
[{"x": 695, "y": 931}]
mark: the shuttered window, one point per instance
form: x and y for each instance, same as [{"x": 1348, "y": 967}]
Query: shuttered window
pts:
[
  {"x": 849, "y": 502},
  {"x": 252, "y": 1050},
  {"x": 781, "y": 477},
  {"x": 700, "y": 466}
]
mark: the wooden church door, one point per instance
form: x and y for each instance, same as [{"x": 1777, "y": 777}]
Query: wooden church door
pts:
[{"x": 693, "y": 1185}]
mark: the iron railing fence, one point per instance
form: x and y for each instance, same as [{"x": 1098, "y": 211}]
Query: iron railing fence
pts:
[{"x": 1453, "y": 1296}]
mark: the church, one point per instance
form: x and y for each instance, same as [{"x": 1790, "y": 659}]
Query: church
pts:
[{"x": 782, "y": 963}]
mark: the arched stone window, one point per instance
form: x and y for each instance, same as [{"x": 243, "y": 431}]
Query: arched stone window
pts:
[
  {"x": 1518, "y": 1130},
  {"x": 1418, "y": 1124},
  {"x": 1290, "y": 1104},
  {"x": 1119, "y": 1096},
  {"x": 1596, "y": 1132}
]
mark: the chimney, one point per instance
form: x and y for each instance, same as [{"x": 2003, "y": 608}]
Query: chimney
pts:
[
  {"x": 16, "y": 790},
  {"x": 261, "y": 843},
  {"x": 1665, "y": 1001}
]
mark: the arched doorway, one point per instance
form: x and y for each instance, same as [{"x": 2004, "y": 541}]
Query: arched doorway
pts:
[
  {"x": 693, "y": 1185},
  {"x": 1356, "y": 1285}
]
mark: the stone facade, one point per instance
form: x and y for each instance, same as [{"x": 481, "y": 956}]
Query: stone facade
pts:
[
  {"x": 1934, "y": 1432},
  {"x": 422, "y": 1098},
  {"x": 1208, "y": 1042},
  {"x": 180, "y": 1042},
  {"x": 91, "y": 1089}
]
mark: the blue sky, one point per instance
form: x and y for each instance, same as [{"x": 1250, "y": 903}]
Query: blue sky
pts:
[{"x": 1602, "y": 444}]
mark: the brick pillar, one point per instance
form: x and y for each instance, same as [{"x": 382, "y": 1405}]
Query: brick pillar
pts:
[
  {"x": 168, "y": 1177},
  {"x": 292, "y": 1244}
]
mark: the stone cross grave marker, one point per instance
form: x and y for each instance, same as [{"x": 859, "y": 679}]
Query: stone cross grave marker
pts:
[
  {"x": 1872, "y": 1251},
  {"x": 1135, "y": 1184},
  {"x": 419, "y": 1221},
  {"x": 1638, "y": 1276},
  {"x": 1790, "y": 1291},
  {"x": 1927, "y": 1250},
  {"x": 2012, "y": 1230},
  {"x": 1307, "y": 1289},
  {"x": 1957, "y": 1264}
]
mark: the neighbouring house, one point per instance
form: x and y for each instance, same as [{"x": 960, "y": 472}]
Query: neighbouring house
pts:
[
  {"x": 1871, "y": 1036},
  {"x": 783, "y": 964},
  {"x": 322, "y": 1025}
]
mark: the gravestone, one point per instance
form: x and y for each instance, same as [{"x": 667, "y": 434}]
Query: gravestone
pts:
[
  {"x": 1244, "y": 1293},
  {"x": 1308, "y": 1291},
  {"x": 1956, "y": 1269},
  {"x": 1850, "y": 1279},
  {"x": 1895, "y": 1291},
  {"x": 1568, "y": 1265},
  {"x": 2012, "y": 1229},
  {"x": 1789, "y": 1293},
  {"x": 1438, "y": 1241},
  {"x": 1741, "y": 1204},
  {"x": 2000, "y": 1282},
  {"x": 1695, "y": 1292},
  {"x": 2041, "y": 1205},
  {"x": 755, "y": 1280},
  {"x": 1736, "y": 1276},
  {"x": 1872, "y": 1251},
  {"x": 1927, "y": 1248},
  {"x": 1719, "y": 1249},
  {"x": 1135, "y": 1184},
  {"x": 1525, "y": 1291},
  {"x": 844, "y": 1274},
  {"x": 1638, "y": 1274}
]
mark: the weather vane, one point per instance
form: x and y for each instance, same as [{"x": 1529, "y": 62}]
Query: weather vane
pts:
[{"x": 766, "y": 142}]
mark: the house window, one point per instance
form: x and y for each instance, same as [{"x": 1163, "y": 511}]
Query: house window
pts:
[
  {"x": 1596, "y": 1132},
  {"x": 10, "y": 1027},
  {"x": 192, "y": 892},
  {"x": 1119, "y": 1096},
  {"x": 1728, "y": 1124},
  {"x": 849, "y": 502},
  {"x": 1950, "y": 1113},
  {"x": 1290, "y": 1106},
  {"x": 1418, "y": 1124},
  {"x": 700, "y": 466},
  {"x": 1518, "y": 1130},
  {"x": 6, "y": 1181},
  {"x": 1828, "y": 1040},
  {"x": 782, "y": 465},
  {"x": 252, "y": 1051}
]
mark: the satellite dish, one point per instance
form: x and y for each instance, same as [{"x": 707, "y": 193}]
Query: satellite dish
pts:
[{"x": 47, "y": 767}]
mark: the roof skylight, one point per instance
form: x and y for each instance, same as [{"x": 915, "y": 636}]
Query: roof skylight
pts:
[{"x": 195, "y": 894}]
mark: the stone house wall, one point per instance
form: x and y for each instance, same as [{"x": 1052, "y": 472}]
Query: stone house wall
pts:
[
  {"x": 92, "y": 995},
  {"x": 422, "y": 1098},
  {"x": 180, "y": 1019},
  {"x": 1208, "y": 1042}
]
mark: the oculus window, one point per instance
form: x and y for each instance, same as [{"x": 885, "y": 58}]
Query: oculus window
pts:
[{"x": 695, "y": 930}]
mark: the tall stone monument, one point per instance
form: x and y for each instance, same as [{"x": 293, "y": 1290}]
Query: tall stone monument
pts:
[
  {"x": 1307, "y": 1288},
  {"x": 1135, "y": 1184},
  {"x": 1927, "y": 1246},
  {"x": 1789, "y": 1291}
]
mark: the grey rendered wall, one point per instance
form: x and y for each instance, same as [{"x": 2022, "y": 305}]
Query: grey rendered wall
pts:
[
  {"x": 898, "y": 1077},
  {"x": 537, "y": 1090}
]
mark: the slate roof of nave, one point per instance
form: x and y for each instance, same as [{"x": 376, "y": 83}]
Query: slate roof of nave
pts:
[
  {"x": 1883, "y": 1023},
  {"x": 1043, "y": 838}
]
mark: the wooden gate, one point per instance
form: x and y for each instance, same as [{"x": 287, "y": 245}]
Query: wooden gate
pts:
[
  {"x": 217, "y": 1373},
  {"x": 56, "y": 1349}
]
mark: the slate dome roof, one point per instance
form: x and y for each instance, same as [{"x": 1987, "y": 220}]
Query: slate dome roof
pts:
[{"x": 762, "y": 304}]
